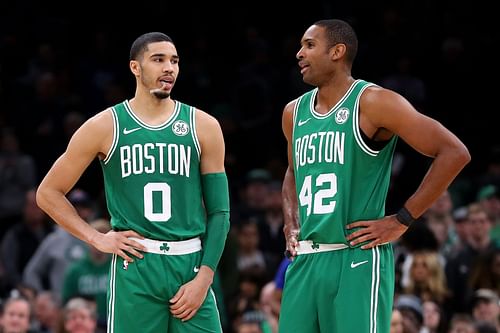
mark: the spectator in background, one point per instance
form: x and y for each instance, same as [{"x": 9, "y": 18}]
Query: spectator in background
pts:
[
  {"x": 439, "y": 218},
  {"x": 88, "y": 276},
  {"x": 488, "y": 198},
  {"x": 417, "y": 238},
  {"x": 397, "y": 322},
  {"x": 47, "y": 312},
  {"x": 486, "y": 307},
  {"x": 426, "y": 277},
  {"x": 486, "y": 271},
  {"x": 17, "y": 176},
  {"x": 79, "y": 316},
  {"x": 272, "y": 239},
  {"x": 271, "y": 293},
  {"x": 246, "y": 299},
  {"x": 461, "y": 231},
  {"x": 46, "y": 269},
  {"x": 434, "y": 318},
  {"x": 252, "y": 322},
  {"x": 462, "y": 323},
  {"x": 411, "y": 310},
  {"x": 458, "y": 268},
  {"x": 15, "y": 317},
  {"x": 253, "y": 195},
  {"x": 22, "y": 239},
  {"x": 250, "y": 258}
]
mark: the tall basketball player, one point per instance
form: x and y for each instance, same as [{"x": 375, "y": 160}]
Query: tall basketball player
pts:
[
  {"x": 167, "y": 194},
  {"x": 341, "y": 138}
]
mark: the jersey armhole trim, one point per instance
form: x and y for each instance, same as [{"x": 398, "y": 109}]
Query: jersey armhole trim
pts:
[
  {"x": 116, "y": 136},
  {"x": 355, "y": 124},
  {"x": 192, "y": 115},
  {"x": 295, "y": 111}
]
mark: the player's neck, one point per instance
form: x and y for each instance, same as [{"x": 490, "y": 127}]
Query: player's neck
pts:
[
  {"x": 330, "y": 93},
  {"x": 151, "y": 109}
]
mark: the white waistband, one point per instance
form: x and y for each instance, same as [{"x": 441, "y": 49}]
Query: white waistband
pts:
[
  {"x": 306, "y": 247},
  {"x": 170, "y": 248}
]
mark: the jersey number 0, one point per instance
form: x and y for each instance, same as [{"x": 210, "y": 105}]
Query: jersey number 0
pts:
[{"x": 165, "y": 213}]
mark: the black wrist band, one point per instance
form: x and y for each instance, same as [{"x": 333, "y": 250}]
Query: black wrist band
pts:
[{"x": 404, "y": 217}]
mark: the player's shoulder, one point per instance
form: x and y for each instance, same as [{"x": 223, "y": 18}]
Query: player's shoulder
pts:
[
  {"x": 374, "y": 92},
  {"x": 377, "y": 100},
  {"x": 290, "y": 106},
  {"x": 205, "y": 119},
  {"x": 101, "y": 120}
]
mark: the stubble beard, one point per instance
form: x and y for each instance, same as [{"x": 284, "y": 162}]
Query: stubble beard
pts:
[{"x": 159, "y": 93}]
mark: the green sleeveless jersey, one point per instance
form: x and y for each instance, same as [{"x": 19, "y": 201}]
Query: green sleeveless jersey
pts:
[
  {"x": 152, "y": 175},
  {"x": 339, "y": 179}
]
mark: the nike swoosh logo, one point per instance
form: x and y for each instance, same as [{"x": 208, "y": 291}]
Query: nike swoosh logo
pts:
[
  {"x": 128, "y": 131},
  {"x": 196, "y": 269},
  {"x": 354, "y": 265},
  {"x": 302, "y": 122}
]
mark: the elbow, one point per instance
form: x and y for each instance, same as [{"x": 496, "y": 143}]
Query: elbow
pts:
[
  {"x": 463, "y": 156},
  {"x": 42, "y": 198}
]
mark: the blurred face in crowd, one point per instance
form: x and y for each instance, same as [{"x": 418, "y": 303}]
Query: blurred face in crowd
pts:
[
  {"x": 396, "y": 322},
  {"x": 486, "y": 310},
  {"x": 248, "y": 237},
  {"x": 16, "y": 316},
  {"x": 420, "y": 270},
  {"x": 46, "y": 311},
  {"x": 432, "y": 315},
  {"x": 256, "y": 194},
  {"x": 480, "y": 225},
  {"x": 80, "y": 321}
]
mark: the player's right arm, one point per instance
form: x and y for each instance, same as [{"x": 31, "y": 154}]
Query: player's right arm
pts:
[
  {"x": 91, "y": 140},
  {"x": 291, "y": 227}
]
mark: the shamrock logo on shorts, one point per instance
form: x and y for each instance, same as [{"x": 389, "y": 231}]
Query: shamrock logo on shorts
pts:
[{"x": 164, "y": 247}]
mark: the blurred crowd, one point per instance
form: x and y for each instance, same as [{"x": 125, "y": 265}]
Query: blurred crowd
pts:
[
  {"x": 243, "y": 71},
  {"x": 447, "y": 266}
]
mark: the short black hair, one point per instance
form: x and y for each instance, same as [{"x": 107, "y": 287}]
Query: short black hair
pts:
[
  {"x": 140, "y": 45},
  {"x": 338, "y": 31}
]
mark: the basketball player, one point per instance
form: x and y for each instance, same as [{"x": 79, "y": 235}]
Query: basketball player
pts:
[
  {"x": 167, "y": 195},
  {"x": 341, "y": 138}
]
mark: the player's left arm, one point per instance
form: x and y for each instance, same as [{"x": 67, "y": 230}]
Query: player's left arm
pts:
[
  {"x": 384, "y": 113},
  {"x": 215, "y": 189},
  {"x": 190, "y": 296}
]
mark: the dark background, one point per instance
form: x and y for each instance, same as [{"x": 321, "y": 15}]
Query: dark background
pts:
[{"x": 238, "y": 63}]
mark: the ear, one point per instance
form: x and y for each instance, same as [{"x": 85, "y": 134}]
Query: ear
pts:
[
  {"x": 338, "y": 51},
  {"x": 134, "y": 67}
]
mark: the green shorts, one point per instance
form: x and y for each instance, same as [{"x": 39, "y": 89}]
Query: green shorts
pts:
[
  {"x": 339, "y": 291},
  {"x": 139, "y": 293}
]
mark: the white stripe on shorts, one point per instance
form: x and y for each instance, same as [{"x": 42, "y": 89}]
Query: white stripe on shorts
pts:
[{"x": 170, "y": 248}]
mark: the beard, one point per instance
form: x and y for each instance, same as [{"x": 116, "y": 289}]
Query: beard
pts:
[{"x": 159, "y": 93}]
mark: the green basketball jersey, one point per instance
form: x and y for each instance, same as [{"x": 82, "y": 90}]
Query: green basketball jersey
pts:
[
  {"x": 152, "y": 175},
  {"x": 339, "y": 178}
]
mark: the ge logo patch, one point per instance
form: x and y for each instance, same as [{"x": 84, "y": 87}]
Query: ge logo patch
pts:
[
  {"x": 341, "y": 115},
  {"x": 180, "y": 128}
]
